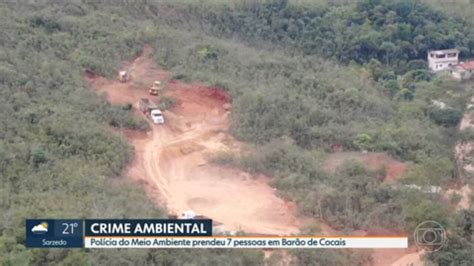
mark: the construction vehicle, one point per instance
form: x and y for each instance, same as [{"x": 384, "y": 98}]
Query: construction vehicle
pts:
[
  {"x": 123, "y": 76},
  {"x": 150, "y": 109},
  {"x": 155, "y": 88}
]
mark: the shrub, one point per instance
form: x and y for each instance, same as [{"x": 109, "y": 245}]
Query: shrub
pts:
[
  {"x": 166, "y": 102},
  {"x": 447, "y": 117},
  {"x": 224, "y": 158},
  {"x": 363, "y": 141},
  {"x": 39, "y": 157}
]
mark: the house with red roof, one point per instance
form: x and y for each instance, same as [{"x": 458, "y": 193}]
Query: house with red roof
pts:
[{"x": 463, "y": 70}]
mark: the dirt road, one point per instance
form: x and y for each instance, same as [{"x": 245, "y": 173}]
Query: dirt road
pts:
[
  {"x": 177, "y": 160},
  {"x": 172, "y": 159}
]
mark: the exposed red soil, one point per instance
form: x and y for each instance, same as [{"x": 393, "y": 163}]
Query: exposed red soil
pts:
[
  {"x": 398, "y": 257},
  {"x": 171, "y": 160}
]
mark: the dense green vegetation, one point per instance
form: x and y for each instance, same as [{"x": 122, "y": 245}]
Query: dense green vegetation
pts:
[
  {"x": 392, "y": 32},
  {"x": 374, "y": 94},
  {"x": 303, "y": 75},
  {"x": 57, "y": 156}
]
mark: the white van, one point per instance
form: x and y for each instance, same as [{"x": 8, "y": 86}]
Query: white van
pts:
[{"x": 157, "y": 116}]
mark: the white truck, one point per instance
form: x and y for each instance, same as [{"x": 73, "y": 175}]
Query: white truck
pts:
[{"x": 150, "y": 109}]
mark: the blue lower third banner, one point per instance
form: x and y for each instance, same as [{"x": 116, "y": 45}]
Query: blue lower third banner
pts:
[
  {"x": 48, "y": 233},
  {"x": 67, "y": 233}
]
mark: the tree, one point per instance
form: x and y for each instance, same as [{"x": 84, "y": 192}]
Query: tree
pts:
[
  {"x": 448, "y": 117},
  {"x": 389, "y": 48},
  {"x": 392, "y": 86}
]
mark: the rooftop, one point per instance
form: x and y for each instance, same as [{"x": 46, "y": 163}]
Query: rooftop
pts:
[
  {"x": 440, "y": 52},
  {"x": 468, "y": 65}
]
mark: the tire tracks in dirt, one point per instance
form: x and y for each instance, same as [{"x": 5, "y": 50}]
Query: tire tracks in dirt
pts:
[{"x": 171, "y": 160}]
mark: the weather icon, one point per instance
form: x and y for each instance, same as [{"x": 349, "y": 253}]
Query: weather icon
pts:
[{"x": 40, "y": 228}]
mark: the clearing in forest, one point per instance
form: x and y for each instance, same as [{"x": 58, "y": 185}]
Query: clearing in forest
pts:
[{"x": 171, "y": 160}]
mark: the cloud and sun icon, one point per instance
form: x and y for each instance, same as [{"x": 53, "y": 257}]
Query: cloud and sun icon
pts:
[{"x": 40, "y": 228}]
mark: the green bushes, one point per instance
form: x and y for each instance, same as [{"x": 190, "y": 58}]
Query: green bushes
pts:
[
  {"x": 58, "y": 156},
  {"x": 287, "y": 100},
  {"x": 350, "y": 198},
  {"x": 330, "y": 257},
  {"x": 121, "y": 117},
  {"x": 293, "y": 107},
  {"x": 224, "y": 158},
  {"x": 466, "y": 135},
  {"x": 39, "y": 157},
  {"x": 363, "y": 141},
  {"x": 314, "y": 102},
  {"x": 458, "y": 249},
  {"x": 446, "y": 117},
  {"x": 430, "y": 172},
  {"x": 394, "y": 32},
  {"x": 166, "y": 102}
]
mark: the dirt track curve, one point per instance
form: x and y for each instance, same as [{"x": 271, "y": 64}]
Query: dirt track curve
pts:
[{"x": 172, "y": 159}]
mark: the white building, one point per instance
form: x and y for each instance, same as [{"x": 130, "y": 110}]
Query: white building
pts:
[{"x": 439, "y": 60}]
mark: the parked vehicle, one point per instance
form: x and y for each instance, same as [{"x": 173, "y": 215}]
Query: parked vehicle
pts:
[
  {"x": 123, "y": 76},
  {"x": 155, "y": 88},
  {"x": 150, "y": 109}
]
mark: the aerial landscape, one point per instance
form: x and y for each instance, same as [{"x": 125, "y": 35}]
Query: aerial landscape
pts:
[{"x": 268, "y": 117}]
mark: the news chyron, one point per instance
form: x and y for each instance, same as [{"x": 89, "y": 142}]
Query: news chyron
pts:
[{"x": 179, "y": 233}]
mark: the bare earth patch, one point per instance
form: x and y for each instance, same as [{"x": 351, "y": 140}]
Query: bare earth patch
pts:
[{"x": 171, "y": 160}]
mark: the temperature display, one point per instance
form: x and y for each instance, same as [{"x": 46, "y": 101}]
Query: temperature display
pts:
[
  {"x": 69, "y": 228},
  {"x": 50, "y": 233}
]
